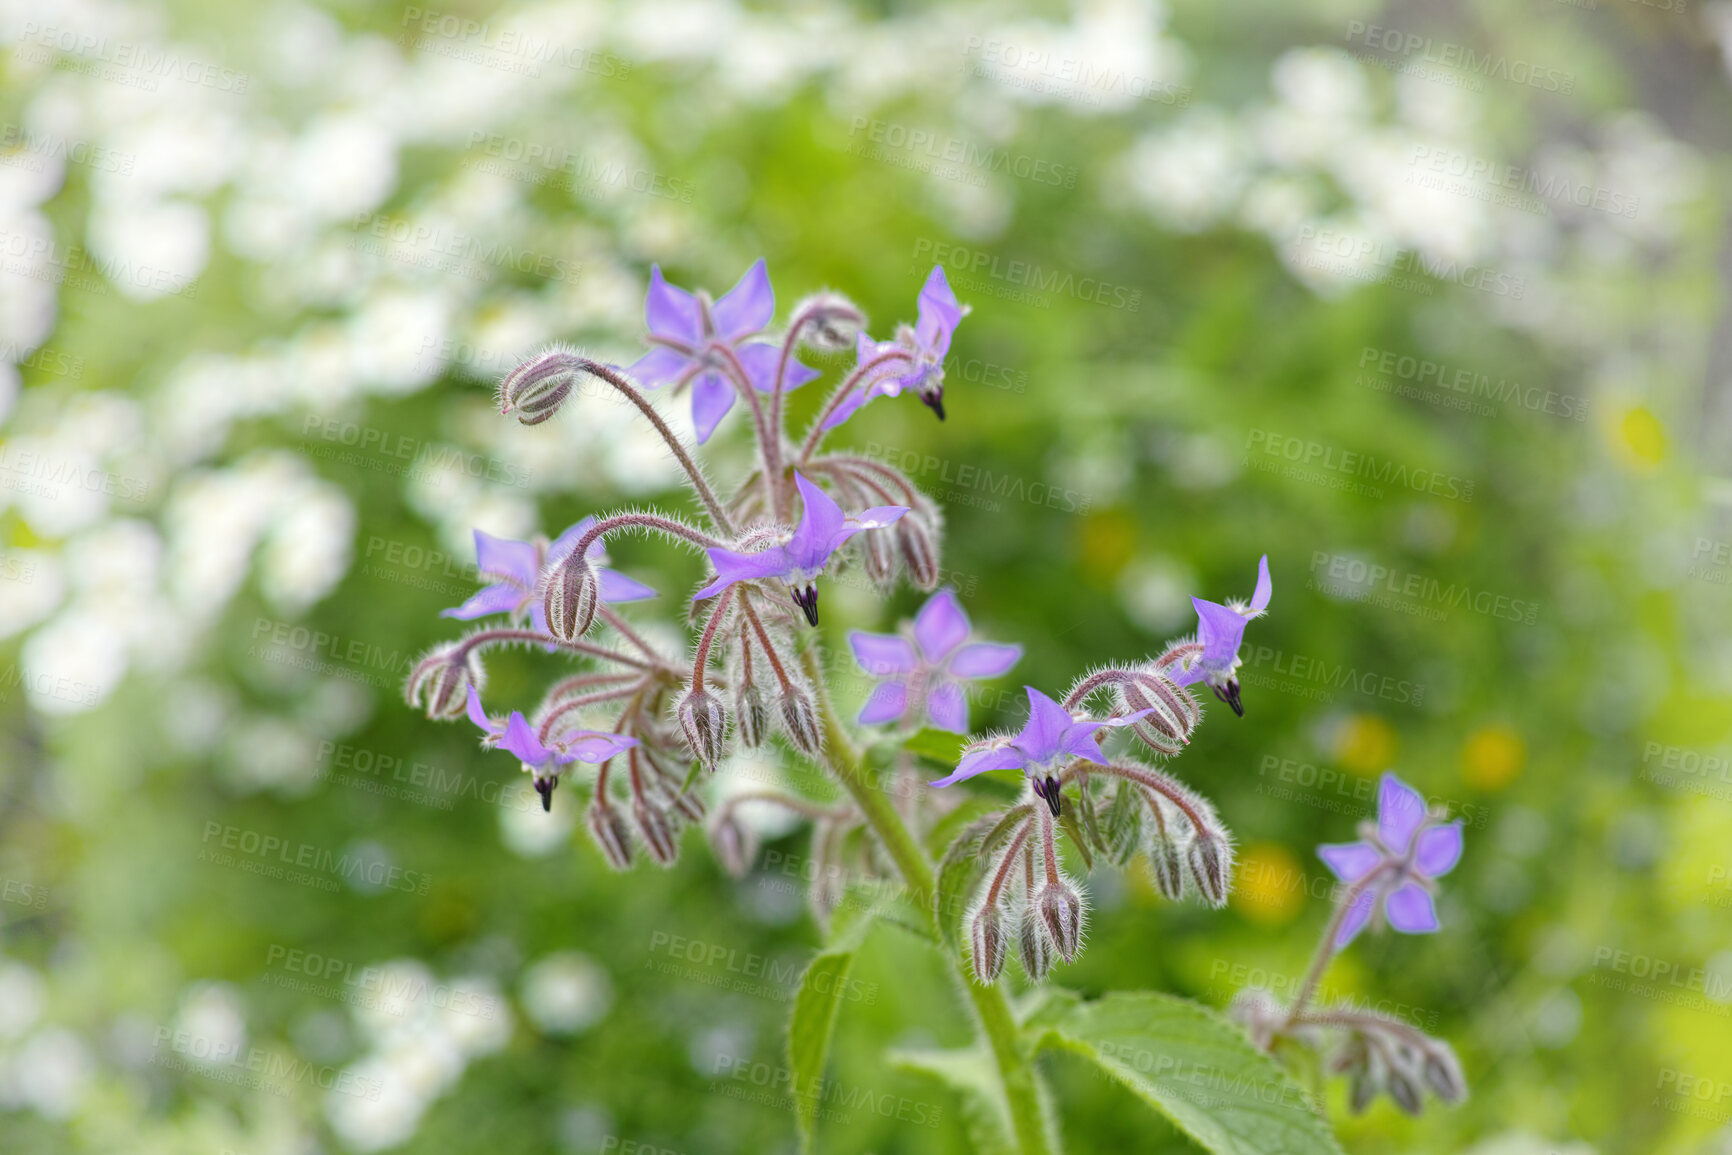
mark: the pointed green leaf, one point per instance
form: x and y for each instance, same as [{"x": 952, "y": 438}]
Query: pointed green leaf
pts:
[
  {"x": 970, "y": 1072},
  {"x": 1196, "y": 1068}
]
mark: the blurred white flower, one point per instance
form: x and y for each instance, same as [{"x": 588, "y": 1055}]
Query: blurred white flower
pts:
[{"x": 566, "y": 993}]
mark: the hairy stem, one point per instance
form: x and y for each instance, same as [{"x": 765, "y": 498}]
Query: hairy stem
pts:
[
  {"x": 992, "y": 1008},
  {"x": 1326, "y": 947},
  {"x": 693, "y": 474},
  {"x": 855, "y": 378}
]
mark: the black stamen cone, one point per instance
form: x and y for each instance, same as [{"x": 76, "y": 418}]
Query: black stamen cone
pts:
[
  {"x": 545, "y": 788},
  {"x": 1051, "y": 795},
  {"x": 1230, "y": 695},
  {"x": 935, "y": 402},
  {"x": 807, "y": 599}
]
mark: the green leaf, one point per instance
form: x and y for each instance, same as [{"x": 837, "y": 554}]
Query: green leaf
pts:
[
  {"x": 1196, "y": 1068},
  {"x": 971, "y": 1073},
  {"x": 940, "y": 746},
  {"x": 823, "y": 989}
]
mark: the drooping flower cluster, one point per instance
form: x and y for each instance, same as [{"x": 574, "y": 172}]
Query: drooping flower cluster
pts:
[{"x": 1388, "y": 878}]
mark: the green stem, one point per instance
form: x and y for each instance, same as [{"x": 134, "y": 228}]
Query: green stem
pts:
[{"x": 1015, "y": 1064}]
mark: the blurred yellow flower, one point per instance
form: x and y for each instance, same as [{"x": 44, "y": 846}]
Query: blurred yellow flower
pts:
[
  {"x": 1269, "y": 886},
  {"x": 1493, "y": 756},
  {"x": 1365, "y": 744}
]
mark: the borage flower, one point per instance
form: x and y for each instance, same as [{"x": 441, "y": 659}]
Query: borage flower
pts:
[
  {"x": 519, "y": 565},
  {"x": 1395, "y": 863},
  {"x": 922, "y": 677},
  {"x": 696, "y": 339},
  {"x": 1051, "y": 737},
  {"x": 925, "y": 346},
  {"x": 1220, "y": 632},
  {"x": 822, "y": 531},
  {"x": 517, "y": 736}
]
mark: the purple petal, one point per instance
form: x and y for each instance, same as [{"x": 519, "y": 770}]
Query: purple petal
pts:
[
  {"x": 981, "y": 761},
  {"x": 657, "y": 367},
  {"x": 1189, "y": 676},
  {"x": 821, "y": 524},
  {"x": 1410, "y": 910},
  {"x": 1260, "y": 599},
  {"x": 671, "y": 312},
  {"x": 876, "y": 517},
  {"x": 984, "y": 660},
  {"x": 1356, "y": 918},
  {"x": 616, "y": 587},
  {"x": 594, "y": 745},
  {"x": 747, "y": 307},
  {"x": 947, "y": 708},
  {"x": 503, "y": 558},
  {"x": 1219, "y": 629},
  {"x": 881, "y": 654},
  {"x": 500, "y": 598},
  {"x": 1400, "y": 810},
  {"x": 1439, "y": 849},
  {"x": 1079, "y": 742},
  {"x": 1350, "y": 861},
  {"x": 940, "y": 626},
  {"x": 939, "y": 313},
  {"x": 477, "y": 714},
  {"x": 520, "y": 739},
  {"x": 712, "y": 397},
  {"x": 887, "y": 703},
  {"x": 562, "y": 545},
  {"x": 1048, "y": 722},
  {"x": 734, "y": 567},
  {"x": 761, "y": 362}
]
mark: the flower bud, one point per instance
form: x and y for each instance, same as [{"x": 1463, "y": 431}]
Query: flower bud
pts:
[
  {"x": 704, "y": 724},
  {"x": 1443, "y": 1073},
  {"x": 610, "y": 834},
  {"x": 1169, "y": 871},
  {"x": 828, "y": 322},
  {"x": 879, "y": 556},
  {"x": 568, "y": 597},
  {"x": 1211, "y": 863},
  {"x": 536, "y": 389},
  {"x": 657, "y": 832},
  {"x": 752, "y": 719},
  {"x": 440, "y": 681},
  {"x": 734, "y": 844},
  {"x": 919, "y": 549},
  {"x": 1173, "y": 713},
  {"x": 1404, "y": 1091},
  {"x": 986, "y": 944},
  {"x": 1035, "y": 947},
  {"x": 1061, "y": 910},
  {"x": 800, "y": 720}
]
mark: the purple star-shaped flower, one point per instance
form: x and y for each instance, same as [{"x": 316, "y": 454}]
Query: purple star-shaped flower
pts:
[
  {"x": 693, "y": 339},
  {"x": 519, "y": 564},
  {"x": 922, "y": 676},
  {"x": 822, "y": 530},
  {"x": 928, "y": 341},
  {"x": 517, "y": 736},
  {"x": 1395, "y": 862},
  {"x": 1221, "y": 630},
  {"x": 1051, "y": 735}
]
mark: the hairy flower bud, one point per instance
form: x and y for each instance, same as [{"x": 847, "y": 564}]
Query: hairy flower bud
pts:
[
  {"x": 1443, "y": 1073},
  {"x": 1404, "y": 1091},
  {"x": 568, "y": 598},
  {"x": 687, "y": 805},
  {"x": 536, "y": 389},
  {"x": 1169, "y": 870},
  {"x": 657, "y": 833},
  {"x": 752, "y": 719},
  {"x": 440, "y": 681},
  {"x": 986, "y": 944},
  {"x": 1061, "y": 910},
  {"x": 1172, "y": 712},
  {"x": 610, "y": 833},
  {"x": 879, "y": 556},
  {"x": 1035, "y": 946},
  {"x": 704, "y": 724},
  {"x": 827, "y": 322},
  {"x": 1211, "y": 863},
  {"x": 734, "y": 844},
  {"x": 919, "y": 546},
  {"x": 800, "y": 719}
]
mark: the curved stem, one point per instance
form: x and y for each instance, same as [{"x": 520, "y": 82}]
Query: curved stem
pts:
[
  {"x": 625, "y": 631},
  {"x": 769, "y": 439},
  {"x": 816, "y": 434},
  {"x": 1326, "y": 945},
  {"x": 702, "y": 659},
  {"x": 992, "y": 1009},
  {"x": 798, "y": 805},
  {"x": 578, "y": 646},
  {"x": 636, "y": 397},
  {"x": 1107, "y": 677},
  {"x": 648, "y": 522},
  {"x": 578, "y": 703}
]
